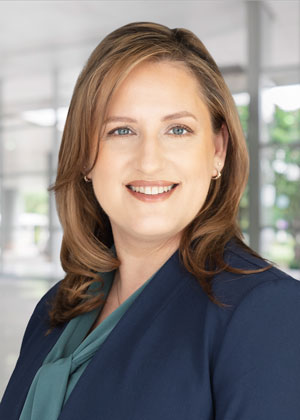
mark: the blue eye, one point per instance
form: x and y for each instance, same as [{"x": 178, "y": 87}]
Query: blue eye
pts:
[
  {"x": 123, "y": 131},
  {"x": 178, "y": 130}
]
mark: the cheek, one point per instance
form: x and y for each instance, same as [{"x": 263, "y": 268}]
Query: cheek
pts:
[
  {"x": 198, "y": 187},
  {"x": 108, "y": 167},
  {"x": 197, "y": 164},
  {"x": 198, "y": 172},
  {"x": 106, "y": 179}
]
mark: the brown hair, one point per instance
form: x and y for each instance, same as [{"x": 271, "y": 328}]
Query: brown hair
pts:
[{"x": 87, "y": 234}]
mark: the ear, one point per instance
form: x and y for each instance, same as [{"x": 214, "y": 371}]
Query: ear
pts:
[{"x": 220, "y": 142}]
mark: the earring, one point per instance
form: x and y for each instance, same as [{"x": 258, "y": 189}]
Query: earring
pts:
[
  {"x": 87, "y": 179},
  {"x": 218, "y": 174}
]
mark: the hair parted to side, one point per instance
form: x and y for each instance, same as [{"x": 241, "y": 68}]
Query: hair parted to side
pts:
[{"x": 87, "y": 234}]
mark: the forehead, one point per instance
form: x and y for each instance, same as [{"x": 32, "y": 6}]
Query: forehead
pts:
[
  {"x": 157, "y": 84},
  {"x": 150, "y": 72}
]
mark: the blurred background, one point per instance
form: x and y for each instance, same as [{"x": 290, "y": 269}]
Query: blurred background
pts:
[{"x": 43, "y": 46}]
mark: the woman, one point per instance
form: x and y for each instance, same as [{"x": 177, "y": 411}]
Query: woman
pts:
[{"x": 164, "y": 313}]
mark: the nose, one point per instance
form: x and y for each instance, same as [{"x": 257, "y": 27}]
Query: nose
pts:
[{"x": 150, "y": 156}]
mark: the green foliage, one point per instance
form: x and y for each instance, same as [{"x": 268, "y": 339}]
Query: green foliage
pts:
[
  {"x": 282, "y": 161},
  {"x": 285, "y": 158},
  {"x": 285, "y": 126},
  {"x": 36, "y": 202},
  {"x": 243, "y": 112}
]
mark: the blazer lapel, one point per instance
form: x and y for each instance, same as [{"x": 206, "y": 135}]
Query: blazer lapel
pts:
[{"x": 109, "y": 368}]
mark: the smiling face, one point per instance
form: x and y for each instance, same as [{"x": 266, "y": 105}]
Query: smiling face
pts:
[{"x": 144, "y": 145}]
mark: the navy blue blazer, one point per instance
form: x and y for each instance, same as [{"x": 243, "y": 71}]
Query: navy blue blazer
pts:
[{"x": 175, "y": 355}]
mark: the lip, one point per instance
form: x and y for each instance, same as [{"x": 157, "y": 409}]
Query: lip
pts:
[
  {"x": 148, "y": 198},
  {"x": 141, "y": 183}
]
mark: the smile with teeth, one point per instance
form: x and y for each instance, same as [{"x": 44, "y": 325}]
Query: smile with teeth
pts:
[{"x": 151, "y": 190}]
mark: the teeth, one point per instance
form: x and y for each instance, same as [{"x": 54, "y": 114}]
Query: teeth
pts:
[{"x": 151, "y": 190}]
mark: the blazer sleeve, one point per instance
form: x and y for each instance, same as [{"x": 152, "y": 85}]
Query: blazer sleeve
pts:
[{"x": 257, "y": 370}]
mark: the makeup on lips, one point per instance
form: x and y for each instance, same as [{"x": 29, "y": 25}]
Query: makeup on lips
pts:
[{"x": 151, "y": 191}]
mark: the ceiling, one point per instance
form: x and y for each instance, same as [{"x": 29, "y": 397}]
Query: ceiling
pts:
[
  {"x": 42, "y": 34},
  {"x": 37, "y": 37}
]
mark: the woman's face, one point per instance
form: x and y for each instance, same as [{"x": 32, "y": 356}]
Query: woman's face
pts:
[{"x": 158, "y": 133}]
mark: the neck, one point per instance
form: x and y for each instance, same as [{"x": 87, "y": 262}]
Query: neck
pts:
[{"x": 139, "y": 263}]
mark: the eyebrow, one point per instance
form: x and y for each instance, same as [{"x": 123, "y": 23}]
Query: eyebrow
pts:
[{"x": 165, "y": 118}]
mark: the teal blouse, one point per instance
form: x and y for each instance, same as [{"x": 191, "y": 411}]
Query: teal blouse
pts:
[{"x": 65, "y": 363}]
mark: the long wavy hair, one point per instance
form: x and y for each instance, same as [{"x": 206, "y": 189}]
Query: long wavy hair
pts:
[{"x": 87, "y": 233}]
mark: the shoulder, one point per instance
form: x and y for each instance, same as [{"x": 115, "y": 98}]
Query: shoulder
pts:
[
  {"x": 249, "y": 297},
  {"x": 232, "y": 288},
  {"x": 39, "y": 317},
  {"x": 259, "y": 304},
  {"x": 258, "y": 347},
  {"x": 44, "y": 302}
]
